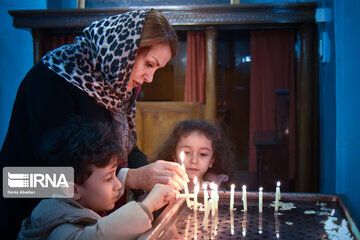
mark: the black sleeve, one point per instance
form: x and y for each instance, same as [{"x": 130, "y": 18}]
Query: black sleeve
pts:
[{"x": 43, "y": 102}]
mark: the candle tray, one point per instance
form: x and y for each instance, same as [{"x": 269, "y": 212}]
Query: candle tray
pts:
[{"x": 300, "y": 216}]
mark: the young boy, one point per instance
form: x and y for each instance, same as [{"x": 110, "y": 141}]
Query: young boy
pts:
[{"x": 93, "y": 150}]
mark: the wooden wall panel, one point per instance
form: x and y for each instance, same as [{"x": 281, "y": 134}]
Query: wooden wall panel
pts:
[{"x": 155, "y": 121}]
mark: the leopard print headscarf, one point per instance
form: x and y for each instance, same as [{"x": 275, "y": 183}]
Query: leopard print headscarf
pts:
[{"x": 100, "y": 63}]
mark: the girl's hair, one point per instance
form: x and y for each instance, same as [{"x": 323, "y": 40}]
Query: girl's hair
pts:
[
  {"x": 82, "y": 145},
  {"x": 157, "y": 30},
  {"x": 222, "y": 148}
]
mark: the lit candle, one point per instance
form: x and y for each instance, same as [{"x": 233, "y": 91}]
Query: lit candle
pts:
[
  {"x": 213, "y": 227},
  {"x": 196, "y": 191},
  {"x": 206, "y": 195},
  {"x": 213, "y": 198},
  {"x": 206, "y": 215},
  {"x": 244, "y": 198},
  {"x": 195, "y": 225},
  {"x": 232, "y": 193},
  {"x": 187, "y": 227},
  {"x": 277, "y": 225},
  {"x": 260, "y": 223},
  {"x": 216, "y": 224},
  {"x": 190, "y": 195},
  {"x": 277, "y": 196},
  {"x": 244, "y": 224},
  {"x": 216, "y": 197},
  {"x": 182, "y": 158},
  {"x": 260, "y": 199},
  {"x": 232, "y": 222}
]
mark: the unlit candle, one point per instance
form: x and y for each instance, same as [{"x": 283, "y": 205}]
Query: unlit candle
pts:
[
  {"x": 260, "y": 199},
  {"x": 244, "y": 198},
  {"x": 232, "y": 193}
]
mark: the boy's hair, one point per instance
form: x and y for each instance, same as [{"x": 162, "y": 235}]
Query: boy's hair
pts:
[
  {"x": 222, "y": 148},
  {"x": 82, "y": 145}
]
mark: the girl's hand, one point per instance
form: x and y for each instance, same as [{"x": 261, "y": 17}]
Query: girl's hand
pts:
[{"x": 159, "y": 196}]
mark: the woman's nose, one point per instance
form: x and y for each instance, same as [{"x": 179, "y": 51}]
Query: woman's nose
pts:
[
  {"x": 149, "y": 76},
  {"x": 148, "y": 79}
]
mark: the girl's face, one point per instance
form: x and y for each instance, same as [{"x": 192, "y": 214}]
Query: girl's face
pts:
[
  {"x": 146, "y": 65},
  {"x": 198, "y": 154}
]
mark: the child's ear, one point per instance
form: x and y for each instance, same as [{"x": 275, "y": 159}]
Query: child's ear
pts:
[
  {"x": 77, "y": 192},
  {"x": 211, "y": 162},
  {"x": 69, "y": 191}
]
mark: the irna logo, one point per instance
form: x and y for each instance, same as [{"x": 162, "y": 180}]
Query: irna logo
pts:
[
  {"x": 38, "y": 182},
  {"x": 23, "y": 180}
]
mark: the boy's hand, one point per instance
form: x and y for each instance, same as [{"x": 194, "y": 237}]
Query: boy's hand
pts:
[
  {"x": 159, "y": 196},
  {"x": 163, "y": 172}
]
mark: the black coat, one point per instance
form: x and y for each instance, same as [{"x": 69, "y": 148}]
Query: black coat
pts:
[{"x": 43, "y": 102}]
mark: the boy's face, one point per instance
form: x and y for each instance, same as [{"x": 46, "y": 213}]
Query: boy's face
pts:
[
  {"x": 198, "y": 154},
  {"x": 101, "y": 190}
]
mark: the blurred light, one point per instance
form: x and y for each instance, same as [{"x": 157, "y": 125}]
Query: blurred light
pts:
[{"x": 246, "y": 59}]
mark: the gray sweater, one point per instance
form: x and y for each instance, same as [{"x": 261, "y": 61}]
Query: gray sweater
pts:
[{"x": 63, "y": 218}]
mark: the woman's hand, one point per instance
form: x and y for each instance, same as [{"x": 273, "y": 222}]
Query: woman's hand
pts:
[
  {"x": 159, "y": 196},
  {"x": 163, "y": 172}
]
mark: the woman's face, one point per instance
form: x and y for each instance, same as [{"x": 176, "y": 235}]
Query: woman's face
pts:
[
  {"x": 198, "y": 154},
  {"x": 146, "y": 65}
]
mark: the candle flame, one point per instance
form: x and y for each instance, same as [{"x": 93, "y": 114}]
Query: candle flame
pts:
[
  {"x": 260, "y": 189},
  {"x": 182, "y": 156},
  {"x": 232, "y": 186},
  {"x": 196, "y": 184},
  {"x": 332, "y": 212},
  {"x": 244, "y": 187},
  {"x": 278, "y": 184}
]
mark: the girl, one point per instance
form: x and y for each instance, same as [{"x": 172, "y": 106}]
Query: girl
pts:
[{"x": 208, "y": 155}]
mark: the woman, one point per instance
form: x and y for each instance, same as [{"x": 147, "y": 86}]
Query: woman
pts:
[{"x": 97, "y": 78}]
